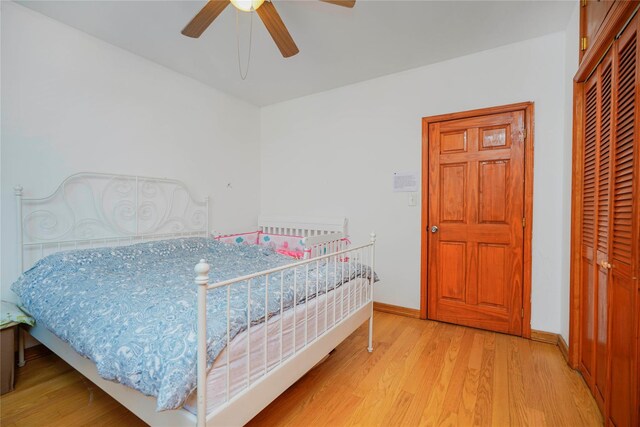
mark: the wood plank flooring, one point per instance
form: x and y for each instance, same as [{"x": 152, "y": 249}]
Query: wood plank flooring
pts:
[{"x": 420, "y": 373}]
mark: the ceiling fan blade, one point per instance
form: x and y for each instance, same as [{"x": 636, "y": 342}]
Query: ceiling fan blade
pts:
[
  {"x": 268, "y": 14},
  {"x": 204, "y": 18},
  {"x": 344, "y": 3}
]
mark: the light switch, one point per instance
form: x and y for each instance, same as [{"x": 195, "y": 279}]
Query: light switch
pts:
[{"x": 413, "y": 199}]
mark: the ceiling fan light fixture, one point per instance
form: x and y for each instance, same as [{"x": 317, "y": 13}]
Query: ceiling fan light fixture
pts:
[
  {"x": 247, "y": 5},
  {"x": 266, "y": 12}
]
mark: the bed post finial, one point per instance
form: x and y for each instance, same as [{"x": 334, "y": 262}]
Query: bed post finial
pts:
[
  {"x": 373, "y": 236},
  {"x": 202, "y": 280},
  {"x": 18, "y": 190},
  {"x": 202, "y": 269}
]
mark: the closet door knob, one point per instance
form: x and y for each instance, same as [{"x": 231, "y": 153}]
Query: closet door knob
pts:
[
  {"x": 434, "y": 229},
  {"x": 605, "y": 264}
]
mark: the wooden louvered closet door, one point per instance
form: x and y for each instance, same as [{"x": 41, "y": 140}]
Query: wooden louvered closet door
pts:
[
  {"x": 589, "y": 321},
  {"x": 595, "y": 227},
  {"x": 622, "y": 401},
  {"x": 605, "y": 74},
  {"x": 609, "y": 289}
]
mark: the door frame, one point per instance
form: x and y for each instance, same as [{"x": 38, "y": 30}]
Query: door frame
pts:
[
  {"x": 528, "y": 109},
  {"x": 617, "y": 18}
]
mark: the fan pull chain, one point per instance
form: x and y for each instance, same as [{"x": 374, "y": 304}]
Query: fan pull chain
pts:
[{"x": 244, "y": 76}]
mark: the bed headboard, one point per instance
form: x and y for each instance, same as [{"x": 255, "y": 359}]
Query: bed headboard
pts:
[
  {"x": 95, "y": 209},
  {"x": 302, "y": 226}
]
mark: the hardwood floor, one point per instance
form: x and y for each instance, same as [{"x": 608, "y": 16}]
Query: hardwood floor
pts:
[
  {"x": 420, "y": 373},
  {"x": 51, "y": 393}
]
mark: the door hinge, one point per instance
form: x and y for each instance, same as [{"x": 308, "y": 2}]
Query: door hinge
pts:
[
  {"x": 584, "y": 3},
  {"x": 524, "y": 222},
  {"x": 583, "y": 43}
]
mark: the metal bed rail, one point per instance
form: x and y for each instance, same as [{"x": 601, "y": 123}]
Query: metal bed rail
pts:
[{"x": 349, "y": 264}]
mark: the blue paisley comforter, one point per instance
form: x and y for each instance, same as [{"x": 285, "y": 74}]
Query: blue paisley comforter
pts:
[{"x": 132, "y": 309}]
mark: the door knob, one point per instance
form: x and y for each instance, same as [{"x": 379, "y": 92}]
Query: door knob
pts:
[
  {"x": 605, "y": 264},
  {"x": 434, "y": 229}
]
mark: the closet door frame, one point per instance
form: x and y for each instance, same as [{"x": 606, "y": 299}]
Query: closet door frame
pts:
[
  {"x": 622, "y": 272},
  {"x": 619, "y": 15}
]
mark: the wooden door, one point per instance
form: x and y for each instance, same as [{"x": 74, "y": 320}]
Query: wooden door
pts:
[
  {"x": 609, "y": 231},
  {"x": 475, "y": 221},
  {"x": 604, "y": 341},
  {"x": 623, "y": 400},
  {"x": 595, "y": 227},
  {"x": 603, "y": 223},
  {"x": 589, "y": 207}
]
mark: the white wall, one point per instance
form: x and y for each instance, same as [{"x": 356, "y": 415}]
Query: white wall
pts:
[
  {"x": 571, "y": 44},
  {"x": 333, "y": 153},
  {"x": 72, "y": 103}
]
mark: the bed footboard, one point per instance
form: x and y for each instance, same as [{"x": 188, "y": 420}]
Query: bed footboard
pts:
[{"x": 351, "y": 280}]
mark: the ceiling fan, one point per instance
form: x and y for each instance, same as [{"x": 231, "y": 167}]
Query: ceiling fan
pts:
[{"x": 265, "y": 10}]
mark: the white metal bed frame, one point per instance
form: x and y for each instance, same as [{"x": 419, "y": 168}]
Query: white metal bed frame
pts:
[{"x": 93, "y": 209}]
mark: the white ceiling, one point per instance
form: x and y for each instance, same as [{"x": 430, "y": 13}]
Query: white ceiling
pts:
[{"x": 338, "y": 46}]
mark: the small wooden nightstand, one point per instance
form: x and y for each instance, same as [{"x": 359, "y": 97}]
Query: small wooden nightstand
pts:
[
  {"x": 7, "y": 356},
  {"x": 13, "y": 317}
]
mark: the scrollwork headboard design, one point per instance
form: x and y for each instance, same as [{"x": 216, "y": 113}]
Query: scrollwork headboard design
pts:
[{"x": 95, "y": 209}]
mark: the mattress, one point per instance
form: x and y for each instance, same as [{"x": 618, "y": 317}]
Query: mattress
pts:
[{"x": 330, "y": 308}]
